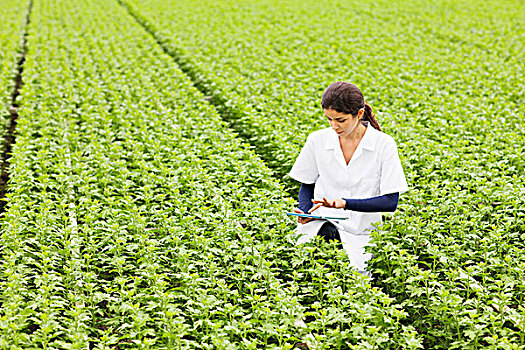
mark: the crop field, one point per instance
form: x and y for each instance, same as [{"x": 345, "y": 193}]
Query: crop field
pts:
[{"x": 145, "y": 152}]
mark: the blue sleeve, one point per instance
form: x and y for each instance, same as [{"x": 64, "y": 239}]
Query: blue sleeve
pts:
[
  {"x": 306, "y": 194},
  {"x": 387, "y": 202}
]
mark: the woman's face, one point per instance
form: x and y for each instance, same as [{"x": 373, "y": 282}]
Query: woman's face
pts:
[{"x": 342, "y": 124}]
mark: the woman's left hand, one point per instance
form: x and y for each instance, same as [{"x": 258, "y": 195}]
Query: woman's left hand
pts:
[{"x": 330, "y": 203}]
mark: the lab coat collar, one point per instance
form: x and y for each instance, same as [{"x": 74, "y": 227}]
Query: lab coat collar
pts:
[{"x": 368, "y": 141}]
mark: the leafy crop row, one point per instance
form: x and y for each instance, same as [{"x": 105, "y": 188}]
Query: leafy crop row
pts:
[
  {"x": 135, "y": 217},
  {"x": 447, "y": 80},
  {"x": 12, "y": 17}
]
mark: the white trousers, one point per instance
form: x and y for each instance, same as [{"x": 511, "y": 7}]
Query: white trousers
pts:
[{"x": 353, "y": 244}]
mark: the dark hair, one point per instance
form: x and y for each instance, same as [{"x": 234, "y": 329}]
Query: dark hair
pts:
[{"x": 346, "y": 98}]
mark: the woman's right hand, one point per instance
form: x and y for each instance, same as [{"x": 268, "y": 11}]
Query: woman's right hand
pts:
[{"x": 300, "y": 219}]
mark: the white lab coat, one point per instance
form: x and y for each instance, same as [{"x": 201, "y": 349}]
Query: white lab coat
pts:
[{"x": 373, "y": 170}]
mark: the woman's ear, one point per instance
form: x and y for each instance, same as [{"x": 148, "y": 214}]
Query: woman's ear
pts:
[{"x": 360, "y": 113}]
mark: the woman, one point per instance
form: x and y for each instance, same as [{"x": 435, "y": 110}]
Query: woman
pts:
[{"x": 352, "y": 169}]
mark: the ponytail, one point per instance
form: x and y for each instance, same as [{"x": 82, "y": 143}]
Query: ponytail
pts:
[{"x": 370, "y": 117}]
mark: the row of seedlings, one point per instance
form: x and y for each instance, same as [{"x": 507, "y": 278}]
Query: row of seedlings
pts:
[
  {"x": 12, "y": 19},
  {"x": 11, "y": 31}
]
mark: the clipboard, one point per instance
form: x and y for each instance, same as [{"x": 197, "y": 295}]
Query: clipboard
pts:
[{"x": 316, "y": 216}]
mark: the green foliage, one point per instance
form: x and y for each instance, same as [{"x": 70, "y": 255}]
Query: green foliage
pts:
[
  {"x": 137, "y": 219},
  {"x": 447, "y": 82}
]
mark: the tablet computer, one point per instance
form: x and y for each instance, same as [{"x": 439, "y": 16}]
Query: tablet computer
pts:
[{"x": 315, "y": 216}]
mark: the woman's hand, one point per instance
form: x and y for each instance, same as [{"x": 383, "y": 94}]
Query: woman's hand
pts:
[
  {"x": 300, "y": 219},
  {"x": 330, "y": 203}
]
